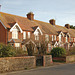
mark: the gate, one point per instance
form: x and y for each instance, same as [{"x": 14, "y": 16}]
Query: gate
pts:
[{"x": 39, "y": 61}]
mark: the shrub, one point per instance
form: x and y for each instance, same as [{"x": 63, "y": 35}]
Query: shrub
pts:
[
  {"x": 20, "y": 52},
  {"x": 6, "y": 51},
  {"x": 58, "y": 52}
]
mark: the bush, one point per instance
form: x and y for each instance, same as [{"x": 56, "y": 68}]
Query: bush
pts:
[
  {"x": 7, "y": 51},
  {"x": 20, "y": 52},
  {"x": 58, "y": 52}
]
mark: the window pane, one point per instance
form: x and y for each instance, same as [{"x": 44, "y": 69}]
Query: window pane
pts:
[
  {"x": 24, "y": 35},
  {"x": 28, "y": 34}
]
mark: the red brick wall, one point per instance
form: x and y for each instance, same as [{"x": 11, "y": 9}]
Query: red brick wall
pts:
[
  {"x": 9, "y": 35},
  {"x": 20, "y": 35},
  {"x": 3, "y": 34},
  {"x": 57, "y": 39}
]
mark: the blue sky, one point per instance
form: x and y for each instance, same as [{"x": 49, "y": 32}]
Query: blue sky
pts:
[{"x": 63, "y": 11}]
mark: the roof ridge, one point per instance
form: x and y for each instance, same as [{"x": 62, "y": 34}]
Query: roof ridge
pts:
[{"x": 12, "y": 15}]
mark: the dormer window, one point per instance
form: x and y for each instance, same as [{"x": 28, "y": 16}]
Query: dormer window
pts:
[{"x": 15, "y": 33}]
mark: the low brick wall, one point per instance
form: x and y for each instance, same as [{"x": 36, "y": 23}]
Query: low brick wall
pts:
[
  {"x": 17, "y": 63},
  {"x": 70, "y": 58},
  {"x": 47, "y": 60}
]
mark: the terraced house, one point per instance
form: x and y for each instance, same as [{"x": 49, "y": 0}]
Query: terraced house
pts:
[{"x": 19, "y": 31}]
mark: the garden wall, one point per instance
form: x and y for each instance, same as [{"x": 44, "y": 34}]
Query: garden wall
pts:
[
  {"x": 70, "y": 58},
  {"x": 47, "y": 60},
  {"x": 17, "y": 63}
]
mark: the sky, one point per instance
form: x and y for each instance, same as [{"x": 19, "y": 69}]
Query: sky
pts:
[{"x": 63, "y": 11}]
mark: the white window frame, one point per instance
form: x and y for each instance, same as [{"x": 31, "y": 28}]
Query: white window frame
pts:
[
  {"x": 15, "y": 34},
  {"x": 36, "y": 37},
  {"x": 17, "y": 44},
  {"x": 24, "y": 35},
  {"x": 28, "y": 34},
  {"x": 52, "y": 38},
  {"x": 60, "y": 39},
  {"x": 55, "y": 37}
]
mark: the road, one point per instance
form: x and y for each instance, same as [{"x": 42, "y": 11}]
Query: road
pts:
[{"x": 64, "y": 69}]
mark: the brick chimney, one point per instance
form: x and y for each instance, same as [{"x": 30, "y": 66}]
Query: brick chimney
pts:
[
  {"x": 67, "y": 26},
  {"x": 30, "y": 16},
  {"x": 52, "y": 21}
]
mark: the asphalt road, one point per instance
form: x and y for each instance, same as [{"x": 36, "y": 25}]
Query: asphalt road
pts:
[{"x": 64, "y": 69}]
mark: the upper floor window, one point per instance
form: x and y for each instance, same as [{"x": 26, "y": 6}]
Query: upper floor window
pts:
[
  {"x": 60, "y": 38},
  {"x": 15, "y": 34},
  {"x": 71, "y": 39},
  {"x": 66, "y": 38},
  {"x": 55, "y": 37},
  {"x": 28, "y": 34},
  {"x": 24, "y": 35},
  {"x": 52, "y": 37},
  {"x": 47, "y": 37}
]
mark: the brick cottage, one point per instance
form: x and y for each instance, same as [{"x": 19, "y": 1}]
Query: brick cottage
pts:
[{"x": 19, "y": 31}]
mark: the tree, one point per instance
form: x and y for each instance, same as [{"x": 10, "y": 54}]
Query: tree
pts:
[
  {"x": 42, "y": 48},
  {"x": 72, "y": 27},
  {"x": 58, "y": 52},
  {"x": 30, "y": 48}
]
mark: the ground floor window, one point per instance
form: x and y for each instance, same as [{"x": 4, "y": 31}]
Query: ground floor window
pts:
[{"x": 49, "y": 47}]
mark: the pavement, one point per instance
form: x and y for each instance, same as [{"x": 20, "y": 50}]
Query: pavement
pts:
[{"x": 63, "y": 69}]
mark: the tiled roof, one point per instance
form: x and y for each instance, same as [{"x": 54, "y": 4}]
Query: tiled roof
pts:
[{"x": 9, "y": 20}]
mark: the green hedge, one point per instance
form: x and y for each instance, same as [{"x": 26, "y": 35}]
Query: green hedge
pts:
[{"x": 58, "y": 52}]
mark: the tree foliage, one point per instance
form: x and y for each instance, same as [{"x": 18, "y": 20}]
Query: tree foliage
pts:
[
  {"x": 58, "y": 52},
  {"x": 72, "y": 27}
]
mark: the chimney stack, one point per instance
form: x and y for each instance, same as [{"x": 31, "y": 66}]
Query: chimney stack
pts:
[
  {"x": 52, "y": 21},
  {"x": 67, "y": 26},
  {"x": 30, "y": 16}
]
